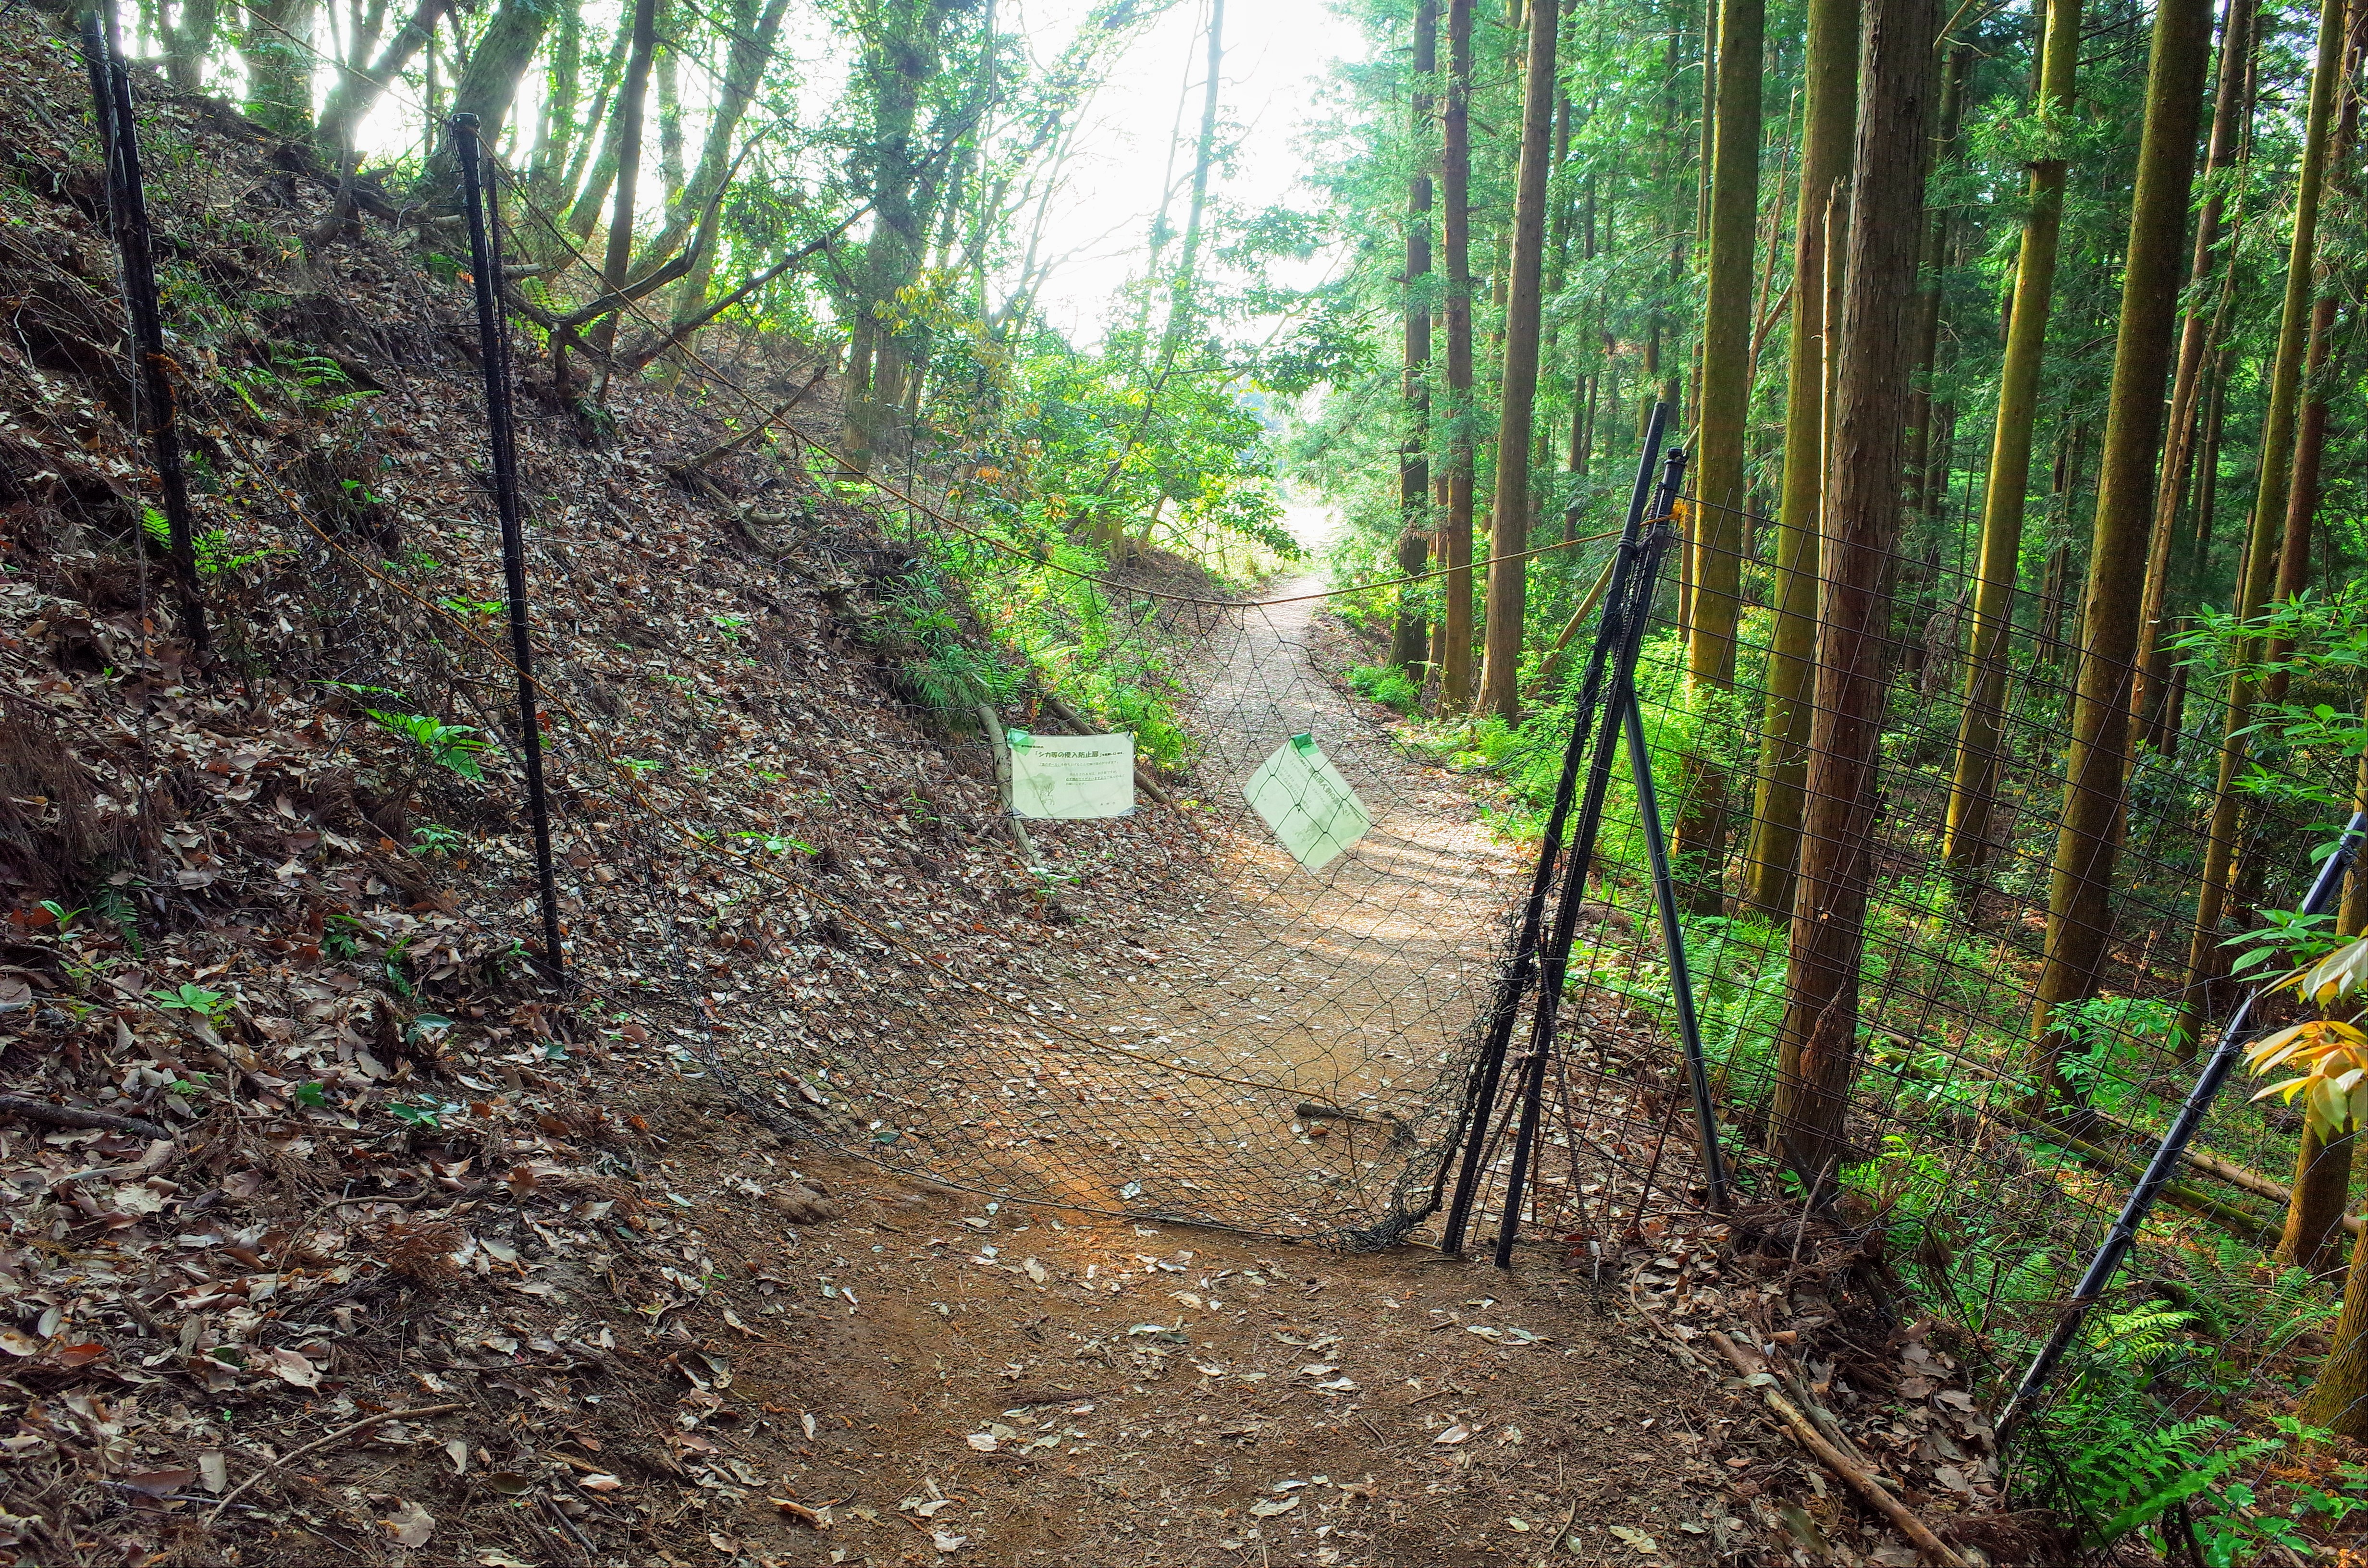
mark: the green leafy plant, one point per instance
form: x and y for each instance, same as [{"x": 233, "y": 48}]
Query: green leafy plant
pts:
[
  {"x": 435, "y": 838},
  {"x": 449, "y": 746},
  {"x": 206, "y": 1005},
  {"x": 394, "y": 975},
  {"x": 1385, "y": 684},
  {"x": 211, "y": 548},
  {"x": 2106, "y": 1029},
  {"x": 115, "y": 905},
  {"x": 2285, "y": 936},
  {"x": 427, "y": 1112},
  {"x": 312, "y": 1094},
  {"x": 779, "y": 844},
  {"x": 424, "y": 1025}
]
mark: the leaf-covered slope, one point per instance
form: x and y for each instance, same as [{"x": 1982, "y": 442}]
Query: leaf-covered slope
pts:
[{"x": 278, "y": 1058}]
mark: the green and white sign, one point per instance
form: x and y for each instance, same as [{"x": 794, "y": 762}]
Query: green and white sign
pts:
[
  {"x": 1071, "y": 776},
  {"x": 1309, "y": 807}
]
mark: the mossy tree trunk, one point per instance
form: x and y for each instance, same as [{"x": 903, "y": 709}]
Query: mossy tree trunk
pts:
[
  {"x": 1724, "y": 409},
  {"x": 1508, "y": 527},
  {"x": 487, "y": 87},
  {"x": 2079, "y": 898},
  {"x": 1829, "y": 118},
  {"x": 2276, "y": 456},
  {"x": 1410, "y": 636},
  {"x": 1973, "y": 788},
  {"x": 1455, "y": 233},
  {"x": 1817, "y": 1061},
  {"x": 2229, "y": 121}
]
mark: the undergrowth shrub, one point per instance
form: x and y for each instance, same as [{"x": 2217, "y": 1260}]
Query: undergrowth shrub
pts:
[{"x": 1390, "y": 688}]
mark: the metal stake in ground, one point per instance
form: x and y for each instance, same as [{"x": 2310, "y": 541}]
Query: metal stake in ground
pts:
[
  {"x": 1486, "y": 1072},
  {"x": 152, "y": 388},
  {"x": 1673, "y": 938},
  {"x": 2165, "y": 1164},
  {"x": 1624, "y": 630},
  {"x": 485, "y": 260}
]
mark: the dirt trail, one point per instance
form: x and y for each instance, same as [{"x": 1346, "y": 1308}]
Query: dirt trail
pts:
[
  {"x": 1096, "y": 1390},
  {"x": 1279, "y": 989},
  {"x": 1096, "y": 1393}
]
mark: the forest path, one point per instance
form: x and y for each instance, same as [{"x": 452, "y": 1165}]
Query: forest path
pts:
[
  {"x": 1097, "y": 1390},
  {"x": 1101, "y": 1393},
  {"x": 1348, "y": 987}
]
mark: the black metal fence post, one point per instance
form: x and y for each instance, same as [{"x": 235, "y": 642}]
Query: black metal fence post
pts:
[
  {"x": 151, "y": 387},
  {"x": 1487, "y": 1072},
  {"x": 485, "y": 258},
  {"x": 2166, "y": 1155},
  {"x": 1625, "y": 623},
  {"x": 1681, "y": 981}
]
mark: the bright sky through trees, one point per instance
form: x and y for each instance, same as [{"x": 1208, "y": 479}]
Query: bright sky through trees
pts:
[{"x": 1278, "y": 53}]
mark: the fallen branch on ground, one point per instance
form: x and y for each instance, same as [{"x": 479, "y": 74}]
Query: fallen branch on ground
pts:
[
  {"x": 2219, "y": 1167},
  {"x": 2244, "y": 1222},
  {"x": 725, "y": 449},
  {"x": 317, "y": 1444},
  {"x": 66, "y": 1115},
  {"x": 1861, "y": 1480}
]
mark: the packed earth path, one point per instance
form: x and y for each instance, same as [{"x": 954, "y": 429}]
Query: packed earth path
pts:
[
  {"x": 992, "y": 1381},
  {"x": 1320, "y": 1015}
]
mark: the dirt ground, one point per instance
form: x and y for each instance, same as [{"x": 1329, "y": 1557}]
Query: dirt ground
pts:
[
  {"x": 937, "y": 1378},
  {"x": 1001, "y": 1383},
  {"x": 1158, "y": 1393}
]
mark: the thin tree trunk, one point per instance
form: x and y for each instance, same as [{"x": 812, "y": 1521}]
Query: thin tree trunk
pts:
[
  {"x": 899, "y": 58},
  {"x": 617, "y": 265},
  {"x": 2338, "y": 1400},
  {"x": 2302, "y": 486},
  {"x": 1456, "y": 227},
  {"x": 1938, "y": 232},
  {"x": 671, "y": 174},
  {"x": 2227, "y": 130},
  {"x": 2310, "y": 427},
  {"x": 1828, "y": 117},
  {"x": 592, "y": 164},
  {"x": 2354, "y": 917},
  {"x": 488, "y": 84},
  {"x": 562, "y": 90},
  {"x": 359, "y": 91},
  {"x": 188, "y": 36},
  {"x": 1972, "y": 790},
  {"x": 1724, "y": 408},
  {"x": 1818, "y": 1051},
  {"x": 1188, "y": 263},
  {"x": 2079, "y": 898},
  {"x": 1508, "y": 532},
  {"x": 278, "y": 52},
  {"x": 2313, "y": 1238},
  {"x": 2276, "y": 457},
  {"x": 744, "y": 72},
  {"x": 1411, "y": 637}
]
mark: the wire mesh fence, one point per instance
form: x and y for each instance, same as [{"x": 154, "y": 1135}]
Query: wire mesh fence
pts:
[{"x": 1986, "y": 1155}]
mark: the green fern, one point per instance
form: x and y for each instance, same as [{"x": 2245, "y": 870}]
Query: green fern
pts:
[{"x": 2161, "y": 1470}]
